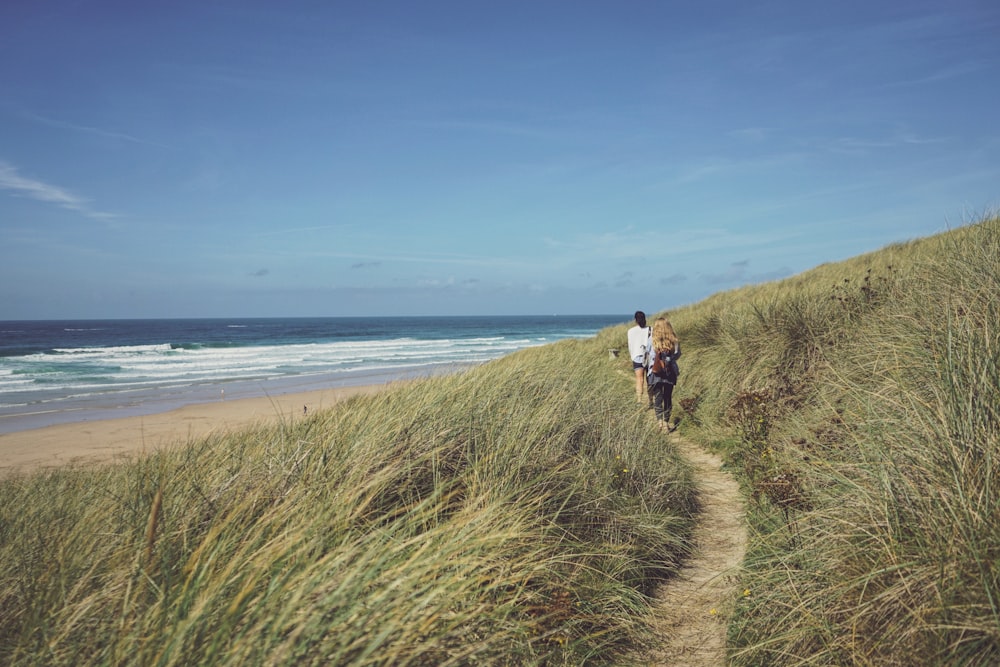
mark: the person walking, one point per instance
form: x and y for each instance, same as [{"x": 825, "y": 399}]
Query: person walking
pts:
[
  {"x": 663, "y": 371},
  {"x": 639, "y": 349}
]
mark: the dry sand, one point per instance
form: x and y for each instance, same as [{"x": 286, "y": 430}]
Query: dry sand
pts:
[{"x": 105, "y": 440}]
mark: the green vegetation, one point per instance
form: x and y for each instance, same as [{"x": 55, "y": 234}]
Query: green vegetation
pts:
[
  {"x": 859, "y": 404},
  {"x": 520, "y": 512},
  {"x": 513, "y": 514}
]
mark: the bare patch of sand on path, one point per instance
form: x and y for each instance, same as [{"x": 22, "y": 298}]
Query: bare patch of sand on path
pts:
[{"x": 693, "y": 608}]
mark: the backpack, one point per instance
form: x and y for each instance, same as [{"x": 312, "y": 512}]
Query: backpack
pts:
[{"x": 664, "y": 369}]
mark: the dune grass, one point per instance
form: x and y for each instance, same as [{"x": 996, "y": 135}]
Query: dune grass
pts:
[
  {"x": 860, "y": 405},
  {"x": 517, "y": 513}
]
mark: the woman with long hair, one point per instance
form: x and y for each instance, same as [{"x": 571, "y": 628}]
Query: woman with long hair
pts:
[
  {"x": 639, "y": 351},
  {"x": 662, "y": 374}
]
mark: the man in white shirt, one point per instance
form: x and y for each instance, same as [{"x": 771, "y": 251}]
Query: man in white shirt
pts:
[{"x": 639, "y": 346}]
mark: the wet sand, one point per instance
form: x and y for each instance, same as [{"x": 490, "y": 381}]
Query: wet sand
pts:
[{"x": 100, "y": 441}]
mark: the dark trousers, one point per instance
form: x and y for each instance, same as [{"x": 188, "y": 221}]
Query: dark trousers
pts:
[{"x": 662, "y": 394}]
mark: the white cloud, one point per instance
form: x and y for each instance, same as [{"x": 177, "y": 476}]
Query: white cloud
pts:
[{"x": 11, "y": 180}]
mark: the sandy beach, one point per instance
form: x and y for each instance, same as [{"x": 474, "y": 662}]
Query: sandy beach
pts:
[{"x": 102, "y": 441}]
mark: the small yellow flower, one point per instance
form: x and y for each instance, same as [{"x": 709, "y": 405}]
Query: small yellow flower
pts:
[
  {"x": 624, "y": 469},
  {"x": 746, "y": 592},
  {"x": 713, "y": 611}
]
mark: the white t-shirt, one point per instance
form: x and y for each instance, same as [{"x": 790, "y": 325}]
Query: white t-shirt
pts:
[{"x": 638, "y": 343}]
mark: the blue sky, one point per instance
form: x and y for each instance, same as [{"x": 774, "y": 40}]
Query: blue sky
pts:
[{"x": 248, "y": 158}]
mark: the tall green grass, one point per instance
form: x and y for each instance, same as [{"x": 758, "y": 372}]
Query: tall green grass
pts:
[
  {"x": 860, "y": 405},
  {"x": 516, "y": 513},
  {"x": 519, "y": 513}
]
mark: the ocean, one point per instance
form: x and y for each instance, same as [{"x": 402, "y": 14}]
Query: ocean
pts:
[{"x": 54, "y": 372}]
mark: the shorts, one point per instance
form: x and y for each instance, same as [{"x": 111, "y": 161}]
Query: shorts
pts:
[{"x": 636, "y": 365}]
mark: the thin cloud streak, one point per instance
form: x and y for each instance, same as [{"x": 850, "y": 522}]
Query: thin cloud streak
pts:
[
  {"x": 11, "y": 180},
  {"x": 297, "y": 230},
  {"x": 110, "y": 134},
  {"x": 369, "y": 259},
  {"x": 631, "y": 244}
]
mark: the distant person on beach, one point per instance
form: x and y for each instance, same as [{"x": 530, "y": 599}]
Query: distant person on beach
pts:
[
  {"x": 663, "y": 371},
  {"x": 639, "y": 351}
]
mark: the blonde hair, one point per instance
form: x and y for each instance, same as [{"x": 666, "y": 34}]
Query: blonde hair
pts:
[{"x": 664, "y": 337}]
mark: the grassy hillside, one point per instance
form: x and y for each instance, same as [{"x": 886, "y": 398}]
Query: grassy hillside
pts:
[
  {"x": 518, "y": 513},
  {"x": 860, "y": 405},
  {"x": 513, "y": 514}
]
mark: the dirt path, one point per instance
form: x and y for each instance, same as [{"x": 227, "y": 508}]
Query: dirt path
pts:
[{"x": 693, "y": 608}]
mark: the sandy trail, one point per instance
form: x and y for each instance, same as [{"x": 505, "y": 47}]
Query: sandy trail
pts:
[{"x": 692, "y": 609}]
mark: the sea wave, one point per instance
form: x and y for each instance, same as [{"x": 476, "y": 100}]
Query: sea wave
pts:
[
  {"x": 76, "y": 367},
  {"x": 70, "y": 370}
]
